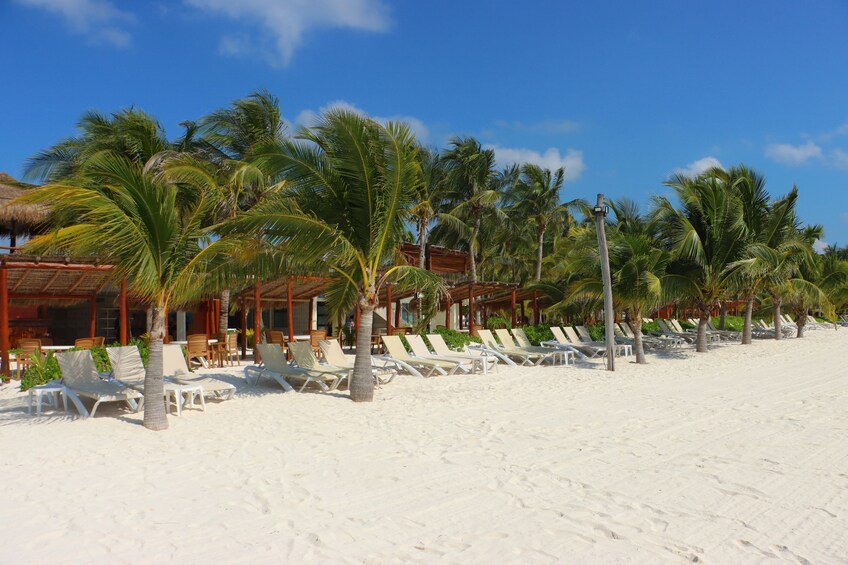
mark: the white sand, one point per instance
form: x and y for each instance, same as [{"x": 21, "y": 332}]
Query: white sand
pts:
[{"x": 736, "y": 456}]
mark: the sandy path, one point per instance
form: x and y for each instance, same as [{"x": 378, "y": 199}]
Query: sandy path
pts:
[{"x": 739, "y": 455}]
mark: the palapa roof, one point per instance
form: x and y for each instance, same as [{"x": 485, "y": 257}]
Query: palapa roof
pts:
[
  {"x": 303, "y": 289},
  {"x": 57, "y": 280},
  {"x": 24, "y": 215}
]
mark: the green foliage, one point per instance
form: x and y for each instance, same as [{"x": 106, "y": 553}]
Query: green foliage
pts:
[
  {"x": 650, "y": 327},
  {"x": 456, "y": 340},
  {"x": 41, "y": 371},
  {"x": 597, "y": 331},
  {"x": 538, "y": 334},
  {"x": 497, "y": 322},
  {"x": 686, "y": 325},
  {"x": 731, "y": 323}
]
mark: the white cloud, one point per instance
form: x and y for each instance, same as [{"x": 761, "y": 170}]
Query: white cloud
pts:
[
  {"x": 550, "y": 159},
  {"x": 793, "y": 154},
  {"x": 283, "y": 23},
  {"x": 310, "y": 117},
  {"x": 820, "y": 246},
  {"x": 839, "y": 159},
  {"x": 695, "y": 168},
  {"x": 99, "y": 20}
]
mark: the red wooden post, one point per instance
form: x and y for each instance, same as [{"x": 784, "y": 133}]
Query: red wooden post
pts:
[
  {"x": 512, "y": 308},
  {"x": 537, "y": 318},
  {"x": 397, "y": 313},
  {"x": 448, "y": 312},
  {"x": 290, "y": 308},
  {"x": 523, "y": 314},
  {"x": 257, "y": 320},
  {"x": 388, "y": 309},
  {"x": 123, "y": 315},
  {"x": 92, "y": 316},
  {"x": 243, "y": 328},
  {"x": 471, "y": 309},
  {"x": 4, "y": 322},
  {"x": 309, "y": 315}
]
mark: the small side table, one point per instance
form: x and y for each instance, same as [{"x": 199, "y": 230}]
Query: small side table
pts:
[
  {"x": 176, "y": 391},
  {"x": 52, "y": 390}
]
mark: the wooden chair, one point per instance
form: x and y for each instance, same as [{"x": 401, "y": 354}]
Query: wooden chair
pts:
[
  {"x": 198, "y": 348},
  {"x": 30, "y": 348},
  {"x": 279, "y": 338},
  {"x": 84, "y": 343},
  {"x": 99, "y": 341},
  {"x": 232, "y": 348},
  {"x": 314, "y": 337}
]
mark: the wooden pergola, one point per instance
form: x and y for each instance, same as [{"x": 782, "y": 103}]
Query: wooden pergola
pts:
[
  {"x": 31, "y": 279},
  {"x": 288, "y": 290},
  {"x": 509, "y": 300},
  {"x": 472, "y": 291}
]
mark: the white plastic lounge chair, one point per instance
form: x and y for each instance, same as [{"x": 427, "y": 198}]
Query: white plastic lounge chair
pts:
[
  {"x": 80, "y": 375},
  {"x": 533, "y": 355},
  {"x": 592, "y": 350},
  {"x": 332, "y": 352},
  {"x": 524, "y": 342},
  {"x": 491, "y": 346},
  {"x": 419, "y": 349},
  {"x": 275, "y": 366},
  {"x": 398, "y": 354},
  {"x": 305, "y": 359},
  {"x": 621, "y": 349},
  {"x": 176, "y": 369},
  {"x": 560, "y": 341},
  {"x": 442, "y": 350}
]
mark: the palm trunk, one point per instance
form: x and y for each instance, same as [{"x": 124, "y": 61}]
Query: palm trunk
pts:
[
  {"x": 778, "y": 325},
  {"x": 635, "y": 323},
  {"x": 155, "y": 417},
  {"x": 362, "y": 380},
  {"x": 801, "y": 322},
  {"x": 224, "y": 320},
  {"x": 746, "y": 328},
  {"x": 722, "y": 313},
  {"x": 471, "y": 249},
  {"x": 539, "y": 253},
  {"x": 701, "y": 343},
  {"x": 422, "y": 256}
]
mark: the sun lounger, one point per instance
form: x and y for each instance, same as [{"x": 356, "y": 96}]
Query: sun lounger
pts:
[
  {"x": 492, "y": 347},
  {"x": 560, "y": 341},
  {"x": 649, "y": 341},
  {"x": 535, "y": 356},
  {"x": 522, "y": 341},
  {"x": 305, "y": 359},
  {"x": 441, "y": 348},
  {"x": 173, "y": 361},
  {"x": 333, "y": 354},
  {"x": 80, "y": 375},
  {"x": 621, "y": 349},
  {"x": 398, "y": 354},
  {"x": 419, "y": 349},
  {"x": 276, "y": 367},
  {"x": 591, "y": 350}
]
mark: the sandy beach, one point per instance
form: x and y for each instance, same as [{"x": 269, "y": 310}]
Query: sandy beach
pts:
[{"x": 735, "y": 456}]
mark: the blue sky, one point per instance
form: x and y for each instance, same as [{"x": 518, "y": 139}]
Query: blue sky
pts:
[{"x": 621, "y": 93}]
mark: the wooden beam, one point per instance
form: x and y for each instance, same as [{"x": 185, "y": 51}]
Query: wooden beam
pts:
[
  {"x": 388, "y": 309},
  {"x": 290, "y": 309},
  {"x": 4, "y": 322},
  {"x": 50, "y": 281},
  {"x": 123, "y": 315},
  {"x": 309, "y": 315},
  {"x": 53, "y": 266},
  {"x": 448, "y": 312},
  {"x": 257, "y": 319},
  {"x": 512, "y": 309},
  {"x": 20, "y": 281},
  {"x": 76, "y": 285},
  {"x": 397, "y": 313},
  {"x": 92, "y": 319}
]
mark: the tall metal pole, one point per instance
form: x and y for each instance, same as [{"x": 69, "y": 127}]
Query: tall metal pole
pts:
[{"x": 609, "y": 320}]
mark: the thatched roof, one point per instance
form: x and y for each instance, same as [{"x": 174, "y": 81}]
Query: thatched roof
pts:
[{"x": 24, "y": 215}]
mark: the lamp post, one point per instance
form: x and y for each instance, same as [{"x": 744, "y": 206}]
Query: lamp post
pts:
[{"x": 600, "y": 211}]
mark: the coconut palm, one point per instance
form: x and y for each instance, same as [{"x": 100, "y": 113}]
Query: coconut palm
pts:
[
  {"x": 229, "y": 136},
  {"x": 473, "y": 188},
  {"x": 535, "y": 199},
  {"x": 353, "y": 182},
  {"x": 149, "y": 230},
  {"x": 705, "y": 235}
]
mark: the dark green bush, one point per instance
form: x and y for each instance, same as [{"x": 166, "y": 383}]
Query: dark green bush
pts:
[
  {"x": 456, "y": 340},
  {"x": 497, "y": 322},
  {"x": 731, "y": 323},
  {"x": 650, "y": 328},
  {"x": 538, "y": 334}
]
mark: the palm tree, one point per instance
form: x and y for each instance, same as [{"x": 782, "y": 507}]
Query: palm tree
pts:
[
  {"x": 230, "y": 135},
  {"x": 637, "y": 266},
  {"x": 535, "y": 198},
  {"x": 149, "y": 230},
  {"x": 429, "y": 198},
  {"x": 353, "y": 182},
  {"x": 474, "y": 188},
  {"x": 705, "y": 235}
]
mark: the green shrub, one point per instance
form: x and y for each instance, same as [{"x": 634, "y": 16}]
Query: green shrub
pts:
[
  {"x": 650, "y": 328},
  {"x": 538, "y": 334},
  {"x": 497, "y": 322},
  {"x": 41, "y": 371},
  {"x": 456, "y": 340},
  {"x": 597, "y": 331},
  {"x": 731, "y": 323},
  {"x": 686, "y": 325}
]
